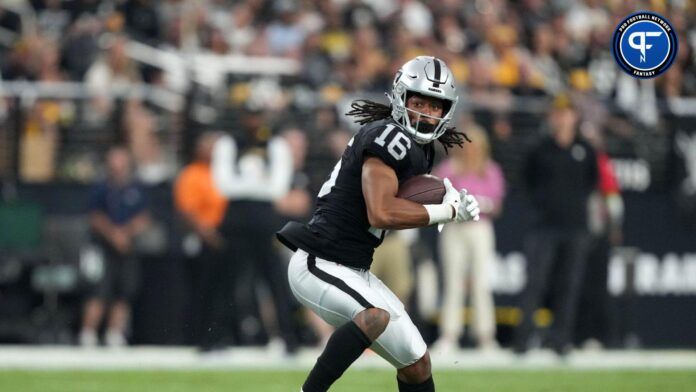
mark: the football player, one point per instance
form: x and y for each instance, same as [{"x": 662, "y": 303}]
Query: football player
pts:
[{"x": 330, "y": 270}]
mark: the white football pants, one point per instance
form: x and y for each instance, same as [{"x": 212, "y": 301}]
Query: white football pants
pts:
[{"x": 337, "y": 293}]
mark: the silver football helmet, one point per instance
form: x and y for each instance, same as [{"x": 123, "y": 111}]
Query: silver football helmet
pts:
[{"x": 427, "y": 76}]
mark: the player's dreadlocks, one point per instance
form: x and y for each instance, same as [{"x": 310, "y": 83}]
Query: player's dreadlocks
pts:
[{"x": 366, "y": 111}]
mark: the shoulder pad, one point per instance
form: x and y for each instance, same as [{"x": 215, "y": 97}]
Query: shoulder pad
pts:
[{"x": 386, "y": 141}]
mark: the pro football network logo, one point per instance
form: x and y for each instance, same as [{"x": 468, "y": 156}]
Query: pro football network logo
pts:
[{"x": 644, "y": 44}]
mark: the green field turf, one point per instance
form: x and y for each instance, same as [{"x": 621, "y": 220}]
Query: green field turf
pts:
[{"x": 353, "y": 380}]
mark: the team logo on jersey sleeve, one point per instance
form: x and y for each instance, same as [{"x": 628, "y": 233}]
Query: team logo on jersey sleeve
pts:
[{"x": 644, "y": 44}]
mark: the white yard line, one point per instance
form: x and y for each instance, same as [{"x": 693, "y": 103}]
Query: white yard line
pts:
[{"x": 183, "y": 358}]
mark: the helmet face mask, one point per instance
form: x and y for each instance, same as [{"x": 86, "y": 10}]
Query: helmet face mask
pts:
[{"x": 430, "y": 77}]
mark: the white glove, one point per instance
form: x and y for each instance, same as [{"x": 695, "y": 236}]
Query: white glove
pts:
[
  {"x": 468, "y": 208},
  {"x": 447, "y": 210},
  {"x": 452, "y": 197}
]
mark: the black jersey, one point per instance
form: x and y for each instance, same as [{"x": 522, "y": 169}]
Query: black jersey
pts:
[{"x": 339, "y": 230}]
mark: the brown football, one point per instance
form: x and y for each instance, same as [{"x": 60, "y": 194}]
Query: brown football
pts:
[{"x": 423, "y": 189}]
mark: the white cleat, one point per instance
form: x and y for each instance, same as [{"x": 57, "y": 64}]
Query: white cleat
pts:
[
  {"x": 88, "y": 338},
  {"x": 444, "y": 346},
  {"x": 115, "y": 339},
  {"x": 276, "y": 346}
]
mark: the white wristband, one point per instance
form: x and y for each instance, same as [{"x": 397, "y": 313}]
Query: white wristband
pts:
[{"x": 439, "y": 213}]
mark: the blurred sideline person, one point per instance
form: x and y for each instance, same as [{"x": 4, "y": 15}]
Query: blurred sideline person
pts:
[
  {"x": 597, "y": 326},
  {"x": 202, "y": 208},
  {"x": 330, "y": 270},
  {"x": 560, "y": 174},
  {"x": 468, "y": 249},
  {"x": 297, "y": 205},
  {"x": 392, "y": 263},
  {"x": 254, "y": 170},
  {"x": 117, "y": 214}
]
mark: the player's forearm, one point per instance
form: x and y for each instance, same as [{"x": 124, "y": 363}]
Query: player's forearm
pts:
[
  {"x": 101, "y": 224},
  {"x": 385, "y": 210},
  {"x": 399, "y": 214},
  {"x": 138, "y": 224}
]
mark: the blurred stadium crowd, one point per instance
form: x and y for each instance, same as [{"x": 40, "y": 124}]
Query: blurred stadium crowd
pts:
[
  {"x": 499, "y": 51},
  {"x": 78, "y": 77}
]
